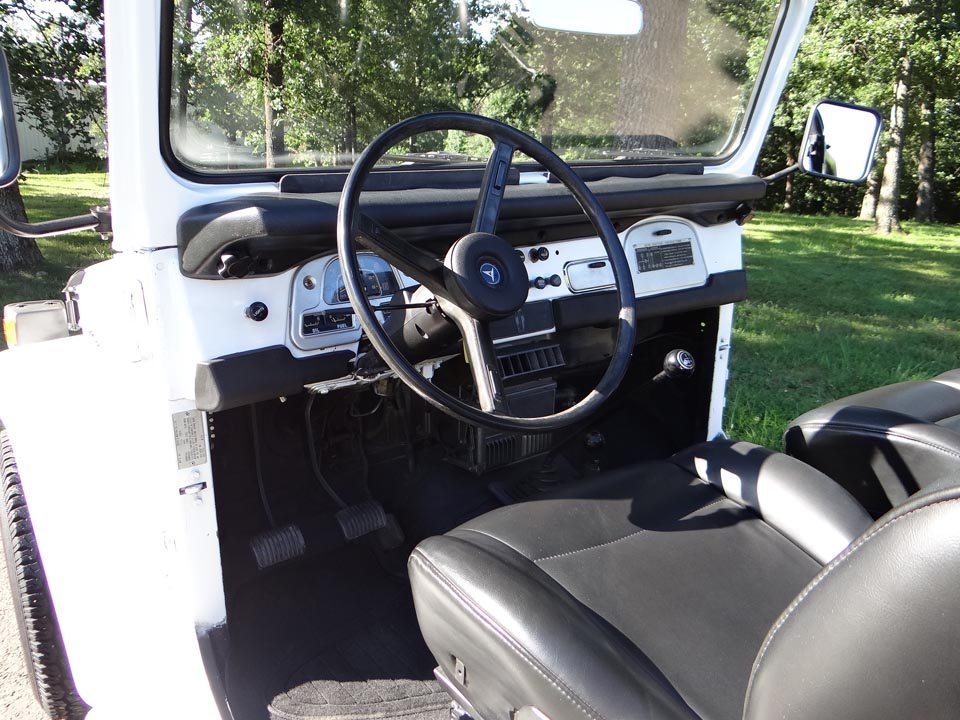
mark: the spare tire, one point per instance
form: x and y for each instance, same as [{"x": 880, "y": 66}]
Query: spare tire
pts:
[{"x": 43, "y": 650}]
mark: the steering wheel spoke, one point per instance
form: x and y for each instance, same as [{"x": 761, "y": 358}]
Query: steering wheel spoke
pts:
[
  {"x": 492, "y": 187},
  {"x": 482, "y": 359},
  {"x": 406, "y": 257}
]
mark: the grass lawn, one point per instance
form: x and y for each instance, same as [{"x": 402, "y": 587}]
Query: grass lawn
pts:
[
  {"x": 48, "y": 196},
  {"x": 833, "y": 308}
]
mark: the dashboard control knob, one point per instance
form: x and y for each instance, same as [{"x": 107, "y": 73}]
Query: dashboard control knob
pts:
[
  {"x": 521, "y": 255},
  {"x": 556, "y": 280},
  {"x": 543, "y": 253},
  {"x": 257, "y": 311},
  {"x": 539, "y": 283}
]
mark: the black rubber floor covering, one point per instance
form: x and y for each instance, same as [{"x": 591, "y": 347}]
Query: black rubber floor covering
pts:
[{"x": 335, "y": 640}]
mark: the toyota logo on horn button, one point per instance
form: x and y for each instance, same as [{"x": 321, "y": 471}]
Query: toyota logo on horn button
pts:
[{"x": 490, "y": 274}]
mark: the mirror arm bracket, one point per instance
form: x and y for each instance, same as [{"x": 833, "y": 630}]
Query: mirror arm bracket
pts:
[
  {"x": 781, "y": 174},
  {"x": 97, "y": 220}
]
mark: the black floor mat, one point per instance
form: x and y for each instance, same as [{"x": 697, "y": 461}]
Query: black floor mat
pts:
[
  {"x": 334, "y": 640},
  {"x": 376, "y": 673}
]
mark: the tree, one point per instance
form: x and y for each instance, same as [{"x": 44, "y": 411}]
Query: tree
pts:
[
  {"x": 16, "y": 252},
  {"x": 55, "y": 54},
  {"x": 888, "y": 203},
  {"x": 926, "y": 162},
  {"x": 650, "y": 84},
  {"x": 868, "y": 207}
]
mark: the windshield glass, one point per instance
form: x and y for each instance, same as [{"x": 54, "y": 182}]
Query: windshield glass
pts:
[{"x": 306, "y": 84}]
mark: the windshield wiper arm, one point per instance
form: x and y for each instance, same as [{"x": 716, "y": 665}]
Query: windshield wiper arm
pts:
[
  {"x": 641, "y": 153},
  {"x": 433, "y": 158}
]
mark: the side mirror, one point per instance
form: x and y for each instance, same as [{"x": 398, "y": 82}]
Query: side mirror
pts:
[
  {"x": 97, "y": 219},
  {"x": 840, "y": 141},
  {"x": 9, "y": 142}
]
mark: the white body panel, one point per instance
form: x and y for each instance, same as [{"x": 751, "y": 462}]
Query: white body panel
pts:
[{"x": 133, "y": 563}]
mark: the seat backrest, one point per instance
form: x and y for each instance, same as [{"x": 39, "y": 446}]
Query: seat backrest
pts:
[{"x": 876, "y": 634}]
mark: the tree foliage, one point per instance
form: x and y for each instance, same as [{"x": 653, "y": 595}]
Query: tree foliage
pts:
[
  {"x": 350, "y": 68},
  {"x": 55, "y": 54},
  {"x": 852, "y": 51}
]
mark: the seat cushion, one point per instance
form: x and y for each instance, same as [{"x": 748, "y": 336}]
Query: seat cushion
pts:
[
  {"x": 642, "y": 593},
  {"x": 884, "y": 445}
]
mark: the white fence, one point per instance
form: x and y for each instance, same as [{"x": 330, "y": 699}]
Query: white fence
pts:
[{"x": 34, "y": 145}]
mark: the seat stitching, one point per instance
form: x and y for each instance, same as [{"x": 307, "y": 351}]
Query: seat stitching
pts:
[
  {"x": 882, "y": 433},
  {"x": 484, "y": 533},
  {"x": 625, "y": 537},
  {"x": 823, "y": 574},
  {"x": 585, "y": 708}
]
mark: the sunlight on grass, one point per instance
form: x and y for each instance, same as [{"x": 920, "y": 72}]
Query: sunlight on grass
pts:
[
  {"x": 48, "y": 196},
  {"x": 835, "y": 309}
]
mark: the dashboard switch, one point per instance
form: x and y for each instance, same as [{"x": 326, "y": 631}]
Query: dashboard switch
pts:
[
  {"x": 257, "y": 311},
  {"x": 539, "y": 283},
  {"x": 556, "y": 280}
]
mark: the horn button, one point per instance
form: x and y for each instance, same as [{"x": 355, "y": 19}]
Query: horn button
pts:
[{"x": 488, "y": 275}]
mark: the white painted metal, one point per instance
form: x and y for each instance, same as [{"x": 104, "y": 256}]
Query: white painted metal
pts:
[
  {"x": 146, "y": 197},
  {"x": 721, "y": 371},
  {"x": 133, "y": 564}
]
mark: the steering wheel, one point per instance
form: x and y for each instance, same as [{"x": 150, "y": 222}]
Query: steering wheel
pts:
[{"x": 482, "y": 278}]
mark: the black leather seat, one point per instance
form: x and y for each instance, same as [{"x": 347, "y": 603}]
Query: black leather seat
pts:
[
  {"x": 678, "y": 589},
  {"x": 886, "y": 444}
]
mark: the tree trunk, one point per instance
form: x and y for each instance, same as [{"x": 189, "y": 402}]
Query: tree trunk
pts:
[
  {"x": 926, "y": 163},
  {"x": 868, "y": 208},
  {"x": 549, "y": 86},
  {"x": 186, "y": 48},
  {"x": 273, "y": 86},
  {"x": 650, "y": 77},
  {"x": 788, "y": 181},
  {"x": 888, "y": 207},
  {"x": 16, "y": 253}
]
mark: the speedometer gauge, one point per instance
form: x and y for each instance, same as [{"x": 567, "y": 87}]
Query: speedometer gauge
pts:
[{"x": 378, "y": 280}]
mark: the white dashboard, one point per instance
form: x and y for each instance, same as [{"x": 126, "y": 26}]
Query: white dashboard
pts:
[{"x": 666, "y": 254}]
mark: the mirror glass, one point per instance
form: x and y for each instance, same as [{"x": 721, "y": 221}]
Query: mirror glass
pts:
[
  {"x": 841, "y": 141},
  {"x": 9, "y": 144},
  {"x": 597, "y": 17}
]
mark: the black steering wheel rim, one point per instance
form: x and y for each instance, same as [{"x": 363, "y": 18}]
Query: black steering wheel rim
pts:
[{"x": 351, "y": 224}]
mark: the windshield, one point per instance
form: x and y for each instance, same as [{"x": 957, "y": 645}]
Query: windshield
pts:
[{"x": 285, "y": 84}]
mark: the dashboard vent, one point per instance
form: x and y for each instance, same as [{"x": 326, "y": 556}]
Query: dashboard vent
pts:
[
  {"x": 503, "y": 450},
  {"x": 529, "y": 361}
]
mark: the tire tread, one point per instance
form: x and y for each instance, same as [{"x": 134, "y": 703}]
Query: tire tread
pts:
[{"x": 43, "y": 649}]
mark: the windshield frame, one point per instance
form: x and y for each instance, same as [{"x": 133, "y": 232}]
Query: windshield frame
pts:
[{"x": 274, "y": 175}]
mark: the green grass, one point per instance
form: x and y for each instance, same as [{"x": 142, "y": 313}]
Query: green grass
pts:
[
  {"x": 48, "y": 196},
  {"x": 834, "y": 309}
]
